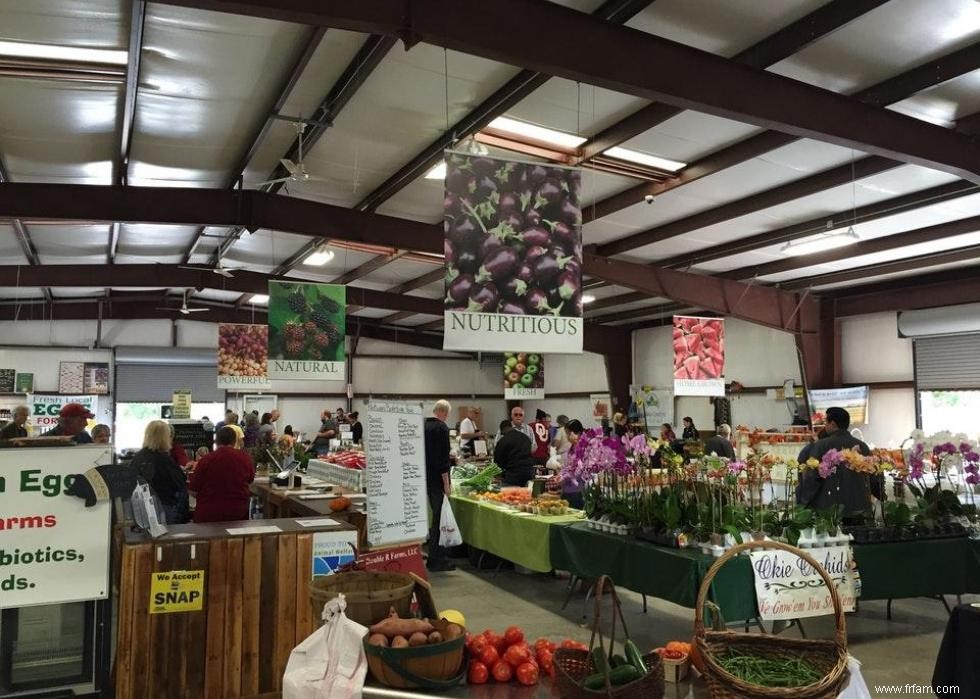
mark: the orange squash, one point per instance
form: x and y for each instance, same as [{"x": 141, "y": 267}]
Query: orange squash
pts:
[{"x": 340, "y": 504}]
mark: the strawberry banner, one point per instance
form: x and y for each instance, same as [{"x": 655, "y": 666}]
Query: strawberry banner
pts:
[
  {"x": 306, "y": 331},
  {"x": 513, "y": 251},
  {"x": 699, "y": 356}
]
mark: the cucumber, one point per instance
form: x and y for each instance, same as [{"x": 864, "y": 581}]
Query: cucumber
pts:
[
  {"x": 624, "y": 674},
  {"x": 599, "y": 660},
  {"x": 618, "y": 660},
  {"x": 635, "y": 657}
]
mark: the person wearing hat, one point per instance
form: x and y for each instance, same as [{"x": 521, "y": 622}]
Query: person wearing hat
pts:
[
  {"x": 541, "y": 433},
  {"x": 849, "y": 489},
  {"x": 71, "y": 423}
]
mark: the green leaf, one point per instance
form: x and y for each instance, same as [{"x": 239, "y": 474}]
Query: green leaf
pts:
[{"x": 525, "y": 200}]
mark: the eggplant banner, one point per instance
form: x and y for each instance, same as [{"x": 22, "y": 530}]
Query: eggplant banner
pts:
[
  {"x": 243, "y": 354},
  {"x": 513, "y": 256},
  {"x": 699, "y": 356},
  {"x": 523, "y": 376},
  {"x": 306, "y": 331}
]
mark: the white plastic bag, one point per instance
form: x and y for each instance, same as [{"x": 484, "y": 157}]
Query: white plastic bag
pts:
[
  {"x": 330, "y": 663},
  {"x": 449, "y": 535}
]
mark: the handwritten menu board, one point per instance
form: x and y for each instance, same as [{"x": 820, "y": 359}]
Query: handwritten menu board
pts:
[
  {"x": 7, "y": 380},
  {"x": 396, "y": 498}
]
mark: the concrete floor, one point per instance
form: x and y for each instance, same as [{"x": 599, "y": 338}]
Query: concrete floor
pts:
[{"x": 901, "y": 651}]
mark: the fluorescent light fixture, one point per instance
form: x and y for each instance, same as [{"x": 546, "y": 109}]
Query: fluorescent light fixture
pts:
[
  {"x": 438, "y": 172},
  {"x": 259, "y": 299},
  {"x": 588, "y": 298},
  {"x": 635, "y": 156},
  {"x": 819, "y": 243},
  {"x": 537, "y": 133},
  {"x": 54, "y": 52},
  {"x": 318, "y": 258}
]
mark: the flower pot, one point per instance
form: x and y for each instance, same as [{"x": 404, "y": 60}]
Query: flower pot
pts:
[{"x": 807, "y": 538}]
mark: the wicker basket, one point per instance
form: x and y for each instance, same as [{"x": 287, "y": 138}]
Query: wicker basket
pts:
[
  {"x": 572, "y": 666},
  {"x": 370, "y": 595},
  {"x": 437, "y": 666},
  {"x": 829, "y": 657}
]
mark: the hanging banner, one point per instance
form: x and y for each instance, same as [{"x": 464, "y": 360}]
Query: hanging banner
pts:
[
  {"x": 307, "y": 326},
  {"x": 45, "y": 410},
  {"x": 854, "y": 400},
  {"x": 651, "y": 406},
  {"x": 699, "y": 356},
  {"x": 523, "y": 376},
  {"x": 513, "y": 256},
  {"x": 601, "y": 406},
  {"x": 243, "y": 357},
  {"x": 787, "y": 587}
]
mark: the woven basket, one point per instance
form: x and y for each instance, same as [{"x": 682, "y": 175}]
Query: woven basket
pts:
[
  {"x": 572, "y": 666},
  {"x": 437, "y": 666},
  {"x": 828, "y": 657},
  {"x": 370, "y": 595}
]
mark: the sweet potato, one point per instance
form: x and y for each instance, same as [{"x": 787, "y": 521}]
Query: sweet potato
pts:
[
  {"x": 399, "y": 642},
  {"x": 453, "y": 631},
  {"x": 418, "y": 639},
  {"x": 435, "y": 637},
  {"x": 393, "y": 626},
  {"x": 378, "y": 639}
]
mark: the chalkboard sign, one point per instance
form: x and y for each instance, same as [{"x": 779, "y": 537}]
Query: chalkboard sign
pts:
[
  {"x": 8, "y": 379},
  {"x": 396, "y": 504},
  {"x": 191, "y": 435}
]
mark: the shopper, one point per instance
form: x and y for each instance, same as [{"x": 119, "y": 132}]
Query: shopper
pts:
[
  {"x": 560, "y": 441},
  {"x": 667, "y": 433},
  {"x": 517, "y": 422},
  {"x": 512, "y": 453},
  {"x": 569, "y": 491},
  {"x": 846, "y": 488},
  {"x": 177, "y": 451},
  {"x": 251, "y": 431},
  {"x": 71, "y": 423},
  {"x": 690, "y": 431},
  {"x": 437, "y": 465},
  {"x": 721, "y": 443},
  {"x": 267, "y": 431},
  {"x": 101, "y": 434},
  {"x": 356, "y": 428},
  {"x": 230, "y": 419},
  {"x": 341, "y": 416},
  {"x": 166, "y": 479},
  {"x": 328, "y": 431},
  {"x": 220, "y": 481},
  {"x": 468, "y": 430},
  {"x": 239, "y": 435},
  {"x": 541, "y": 437},
  {"x": 619, "y": 424},
  {"x": 16, "y": 427}
]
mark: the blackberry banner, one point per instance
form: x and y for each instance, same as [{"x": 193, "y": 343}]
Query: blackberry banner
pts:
[
  {"x": 306, "y": 331},
  {"x": 523, "y": 376},
  {"x": 513, "y": 256},
  {"x": 699, "y": 356},
  {"x": 243, "y": 353}
]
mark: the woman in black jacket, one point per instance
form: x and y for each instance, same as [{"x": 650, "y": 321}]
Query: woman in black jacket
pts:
[
  {"x": 690, "y": 431},
  {"x": 356, "y": 428},
  {"x": 167, "y": 480}
]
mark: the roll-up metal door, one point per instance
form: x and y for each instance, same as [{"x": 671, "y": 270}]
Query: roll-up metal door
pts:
[
  {"x": 948, "y": 362},
  {"x": 146, "y": 374}
]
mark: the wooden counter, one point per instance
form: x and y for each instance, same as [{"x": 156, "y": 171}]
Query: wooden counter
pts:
[
  {"x": 284, "y": 502},
  {"x": 255, "y": 611}
]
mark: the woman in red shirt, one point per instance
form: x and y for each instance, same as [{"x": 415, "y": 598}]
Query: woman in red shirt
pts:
[{"x": 220, "y": 481}]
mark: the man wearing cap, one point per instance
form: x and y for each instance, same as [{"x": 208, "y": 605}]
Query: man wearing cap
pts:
[
  {"x": 541, "y": 433},
  {"x": 847, "y": 488},
  {"x": 71, "y": 423}
]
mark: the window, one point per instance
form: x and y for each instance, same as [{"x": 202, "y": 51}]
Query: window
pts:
[
  {"x": 131, "y": 419},
  {"x": 955, "y": 411}
]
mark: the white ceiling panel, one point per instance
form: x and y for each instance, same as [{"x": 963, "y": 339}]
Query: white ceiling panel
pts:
[
  {"x": 68, "y": 292},
  {"x": 396, "y": 113},
  {"x": 633, "y": 305},
  {"x": 16, "y": 293},
  {"x": 206, "y": 79},
  {"x": 743, "y": 259},
  {"x": 220, "y": 295},
  {"x": 68, "y": 244},
  {"x": 398, "y": 272},
  {"x": 690, "y": 136},
  {"x": 369, "y": 313},
  {"x": 264, "y": 249},
  {"x": 93, "y": 24},
  {"x": 724, "y": 27},
  {"x": 149, "y": 243},
  {"x": 11, "y": 252},
  {"x": 886, "y": 41},
  {"x": 604, "y": 291},
  {"x": 946, "y": 102},
  {"x": 575, "y": 108},
  {"x": 896, "y": 275}
]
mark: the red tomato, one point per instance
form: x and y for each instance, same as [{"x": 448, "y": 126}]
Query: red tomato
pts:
[
  {"x": 541, "y": 643},
  {"x": 478, "y": 645},
  {"x": 502, "y": 672},
  {"x": 546, "y": 659},
  {"x": 527, "y": 674},
  {"x": 517, "y": 655},
  {"x": 513, "y": 635},
  {"x": 477, "y": 673},
  {"x": 489, "y": 656},
  {"x": 494, "y": 640}
]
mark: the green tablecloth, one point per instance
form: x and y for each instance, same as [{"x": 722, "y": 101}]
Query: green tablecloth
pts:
[{"x": 522, "y": 539}]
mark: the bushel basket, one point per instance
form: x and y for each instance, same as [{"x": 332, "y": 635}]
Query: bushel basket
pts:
[
  {"x": 370, "y": 595},
  {"x": 573, "y": 666},
  {"x": 437, "y": 666},
  {"x": 829, "y": 657}
]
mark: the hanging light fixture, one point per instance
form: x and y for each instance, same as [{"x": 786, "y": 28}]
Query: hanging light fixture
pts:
[{"x": 823, "y": 241}]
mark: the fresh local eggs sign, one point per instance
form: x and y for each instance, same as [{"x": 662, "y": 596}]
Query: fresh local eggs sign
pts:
[{"x": 513, "y": 247}]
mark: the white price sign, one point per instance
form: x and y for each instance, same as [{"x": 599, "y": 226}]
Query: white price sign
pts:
[{"x": 787, "y": 587}]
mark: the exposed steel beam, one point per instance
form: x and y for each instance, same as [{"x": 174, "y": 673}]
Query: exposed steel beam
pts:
[
  {"x": 23, "y": 236},
  {"x": 946, "y": 288},
  {"x": 926, "y": 234},
  {"x": 128, "y": 111},
  {"x": 969, "y": 124},
  {"x": 636, "y": 313},
  {"x": 618, "y": 300},
  {"x": 113, "y": 242},
  {"x": 372, "y": 265},
  {"x": 438, "y": 274},
  {"x": 824, "y": 20}
]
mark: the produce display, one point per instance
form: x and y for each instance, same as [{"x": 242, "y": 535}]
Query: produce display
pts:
[
  {"x": 513, "y": 237},
  {"x": 549, "y": 504},
  {"x": 340, "y": 504},
  {"x": 619, "y": 669},
  {"x": 242, "y": 349},
  {"x": 699, "y": 348},
  {"x": 770, "y": 672},
  {"x": 509, "y": 496},
  {"x": 306, "y": 321},
  {"x": 395, "y": 632},
  {"x": 483, "y": 480},
  {"x": 523, "y": 369},
  {"x": 508, "y": 656},
  {"x": 348, "y": 459}
]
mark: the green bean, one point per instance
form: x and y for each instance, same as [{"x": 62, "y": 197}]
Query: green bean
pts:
[{"x": 770, "y": 672}]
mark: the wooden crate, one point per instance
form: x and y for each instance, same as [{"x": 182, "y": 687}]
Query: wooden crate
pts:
[{"x": 256, "y": 610}]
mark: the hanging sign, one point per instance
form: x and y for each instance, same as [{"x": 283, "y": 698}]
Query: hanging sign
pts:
[
  {"x": 699, "y": 356},
  {"x": 45, "y": 409},
  {"x": 523, "y": 376},
  {"x": 307, "y": 327},
  {"x": 243, "y": 357},
  {"x": 395, "y": 559},
  {"x": 177, "y": 591},
  {"x": 53, "y": 549},
  {"x": 25, "y": 383},
  {"x": 513, "y": 251},
  {"x": 601, "y": 406},
  {"x": 95, "y": 378},
  {"x": 181, "y": 404},
  {"x": 652, "y": 406},
  {"x": 854, "y": 400},
  {"x": 787, "y": 587}
]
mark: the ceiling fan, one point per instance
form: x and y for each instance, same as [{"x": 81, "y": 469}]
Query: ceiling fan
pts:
[
  {"x": 225, "y": 272},
  {"x": 297, "y": 170},
  {"x": 183, "y": 308}
]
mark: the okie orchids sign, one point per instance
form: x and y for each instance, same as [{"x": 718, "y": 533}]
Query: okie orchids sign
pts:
[
  {"x": 306, "y": 331},
  {"x": 699, "y": 356},
  {"x": 513, "y": 251}
]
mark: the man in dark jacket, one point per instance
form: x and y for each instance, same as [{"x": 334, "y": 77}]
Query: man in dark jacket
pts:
[
  {"x": 848, "y": 489},
  {"x": 721, "y": 443},
  {"x": 512, "y": 452},
  {"x": 437, "y": 465}
]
